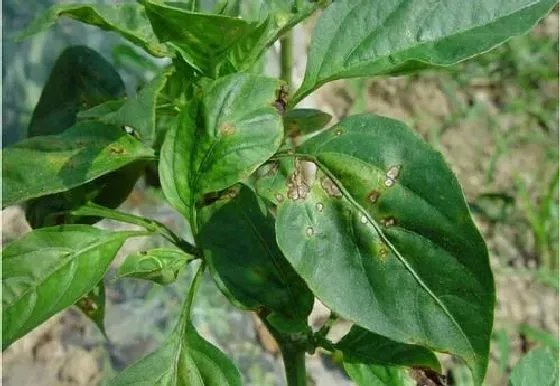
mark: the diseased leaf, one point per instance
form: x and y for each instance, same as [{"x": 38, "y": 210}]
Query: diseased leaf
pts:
[
  {"x": 138, "y": 114},
  {"x": 382, "y": 235},
  {"x": 239, "y": 245},
  {"x": 39, "y": 166},
  {"x": 376, "y": 375},
  {"x": 363, "y": 346},
  {"x": 359, "y": 38},
  {"x": 304, "y": 121},
  {"x": 161, "y": 265},
  {"x": 80, "y": 78},
  {"x": 93, "y": 305},
  {"x": 537, "y": 367},
  {"x": 238, "y": 130},
  {"x": 185, "y": 358},
  {"x": 128, "y": 20},
  {"x": 50, "y": 269}
]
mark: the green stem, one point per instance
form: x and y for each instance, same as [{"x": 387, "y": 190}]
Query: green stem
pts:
[
  {"x": 294, "y": 364},
  {"x": 286, "y": 48}
]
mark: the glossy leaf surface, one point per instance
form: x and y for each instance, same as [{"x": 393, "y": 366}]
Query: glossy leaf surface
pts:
[
  {"x": 161, "y": 265},
  {"x": 138, "y": 114},
  {"x": 80, "y": 78},
  {"x": 359, "y": 38},
  {"x": 537, "y": 367},
  {"x": 363, "y": 346},
  {"x": 39, "y": 166},
  {"x": 50, "y": 269},
  {"x": 376, "y": 375},
  {"x": 239, "y": 130},
  {"x": 185, "y": 358},
  {"x": 128, "y": 20},
  {"x": 92, "y": 305},
  {"x": 240, "y": 247},
  {"x": 382, "y": 235}
]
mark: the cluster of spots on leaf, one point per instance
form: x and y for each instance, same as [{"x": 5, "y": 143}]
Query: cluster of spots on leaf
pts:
[
  {"x": 330, "y": 187},
  {"x": 392, "y": 175},
  {"x": 388, "y": 221},
  {"x": 297, "y": 187},
  {"x": 227, "y": 129},
  {"x": 383, "y": 252}
]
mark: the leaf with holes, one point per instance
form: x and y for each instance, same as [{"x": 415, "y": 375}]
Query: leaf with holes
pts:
[
  {"x": 128, "y": 20},
  {"x": 39, "y": 166},
  {"x": 240, "y": 247},
  {"x": 50, "y": 269},
  {"x": 359, "y": 38},
  {"x": 239, "y": 129},
  {"x": 382, "y": 235},
  {"x": 161, "y": 265}
]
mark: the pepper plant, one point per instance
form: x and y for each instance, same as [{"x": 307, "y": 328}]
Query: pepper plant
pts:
[{"x": 363, "y": 215}]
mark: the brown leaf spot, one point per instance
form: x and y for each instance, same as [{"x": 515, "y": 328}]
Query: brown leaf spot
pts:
[
  {"x": 116, "y": 150},
  {"x": 330, "y": 187},
  {"x": 427, "y": 377},
  {"x": 373, "y": 196},
  {"x": 227, "y": 129},
  {"x": 297, "y": 188}
]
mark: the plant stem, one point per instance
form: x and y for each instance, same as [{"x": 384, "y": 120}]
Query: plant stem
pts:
[
  {"x": 294, "y": 364},
  {"x": 286, "y": 48}
]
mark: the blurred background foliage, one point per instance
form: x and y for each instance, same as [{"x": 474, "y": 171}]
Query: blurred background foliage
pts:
[{"x": 495, "y": 118}]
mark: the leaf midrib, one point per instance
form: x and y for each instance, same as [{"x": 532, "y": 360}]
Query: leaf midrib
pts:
[{"x": 409, "y": 268}]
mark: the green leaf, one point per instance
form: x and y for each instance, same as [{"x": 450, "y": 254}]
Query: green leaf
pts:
[
  {"x": 238, "y": 130},
  {"x": 93, "y": 305},
  {"x": 128, "y": 20},
  {"x": 80, "y": 78},
  {"x": 39, "y": 166},
  {"x": 161, "y": 265},
  {"x": 203, "y": 40},
  {"x": 359, "y": 38},
  {"x": 304, "y": 121},
  {"x": 50, "y": 269},
  {"x": 362, "y": 346},
  {"x": 538, "y": 367},
  {"x": 138, "y": 113},
  {"x": 382, "y": 235},
  {"x": 185, "y": 358},
  {"x": 239, "y": 245},
  {"x": 376, "y": 375}
]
